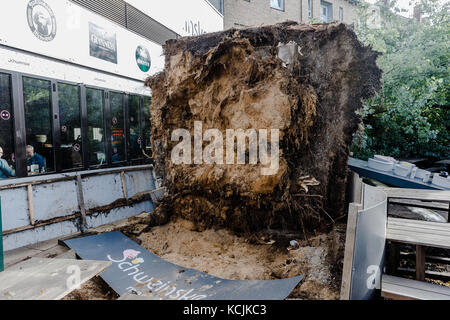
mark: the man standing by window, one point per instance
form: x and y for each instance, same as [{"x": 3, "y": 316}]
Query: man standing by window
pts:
[
  {"x": 35, "y": 160},
  {"x": 5, "y": 170}
]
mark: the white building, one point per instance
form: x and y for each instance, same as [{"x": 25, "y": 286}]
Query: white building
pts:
[{"x": 71, "y": 86}]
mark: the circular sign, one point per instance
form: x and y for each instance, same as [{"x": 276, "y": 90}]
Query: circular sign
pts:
[
  {"x": 114, "y": 120},
  {"x": 41, "y": 20},
  {"x": 63, "y": 128},
  {"x": 5, "y": 115},
  {"x": 143, "y": 59},
  {"x": 76, "y": 147}
]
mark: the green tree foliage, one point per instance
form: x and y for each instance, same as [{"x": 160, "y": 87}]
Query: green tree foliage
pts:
[{"x": 410, "y": 116}]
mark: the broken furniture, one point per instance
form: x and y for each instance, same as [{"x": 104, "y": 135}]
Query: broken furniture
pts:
[
  {"x": 362, "y": 168},
  {"x": 47, "y": 279},
  {"x": 364, "y": 244},
  {"x": 428, "y": 199},
  {"x": 406, "y": 289},
  {"x": 421, "y": 234},
  {"x": 356, "y": 285}
]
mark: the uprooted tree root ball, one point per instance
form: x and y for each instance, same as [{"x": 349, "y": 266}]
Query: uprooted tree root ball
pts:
[{"x": 307, "y": 81}]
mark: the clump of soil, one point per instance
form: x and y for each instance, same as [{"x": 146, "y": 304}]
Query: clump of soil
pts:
[
  {"x": 94, "y": 289},
  {"x": 307, "y": 81},
  {"x": 223, "y": 254}
]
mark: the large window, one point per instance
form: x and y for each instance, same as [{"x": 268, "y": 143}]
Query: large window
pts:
[
  {"x": 70, "y": 126},
  {"x": 310, "y": 8},
  {"x": 117, "y": 127},
  {"x": 341, "y": 14},
  {"x": 66, "y": 126},
  {"x": 277, "y": 4},
  {"x": 326, "y": 11},
  {"x": 38, "y": 122},
  {"x": 148, "y": 126},
  {"x": 96, "y": 127},
  {"x": 6, "y": 128},
  {"x": 135, "y": 123}
]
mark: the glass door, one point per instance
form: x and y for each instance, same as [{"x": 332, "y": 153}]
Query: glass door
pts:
[
  {"x": 70, "y": 126},
  {"x": 7, "y": 156},
  {"x": 95, "y": 104},
  {"x": 134, "y": 120},
  {"x": 117, "y": 115},
  {"x": 38, "y": 122}
]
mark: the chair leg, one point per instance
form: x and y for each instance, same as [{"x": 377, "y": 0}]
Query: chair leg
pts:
[
  {"x": 420, "y": 262},
  {"x": 393, "y": 258}
]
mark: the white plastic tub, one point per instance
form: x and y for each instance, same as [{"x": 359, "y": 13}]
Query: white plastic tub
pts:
[
  {"x": 441, "y": 181},
  {"x": 402, "y": 170},
  {"x": 421, "y": 174},
  {"x": 380, "y": 164}
]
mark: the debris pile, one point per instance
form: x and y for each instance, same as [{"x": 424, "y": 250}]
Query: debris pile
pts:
[{"x": 299, "y": 83}]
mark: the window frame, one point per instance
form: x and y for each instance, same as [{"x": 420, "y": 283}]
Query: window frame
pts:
[
  {"x": 17, "y": 138},
  {"x": 19, "y": 124},
  {"x": 277, "y": 8},
  {"x": 310, "y": 9},
  {"x": 83, "y": 113},
  {"x": 53, "y": 118}
]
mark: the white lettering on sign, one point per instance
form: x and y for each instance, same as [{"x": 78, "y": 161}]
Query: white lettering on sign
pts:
[
  {"x": 193, "y": 29},
  {"x": 131, "y": 267}
]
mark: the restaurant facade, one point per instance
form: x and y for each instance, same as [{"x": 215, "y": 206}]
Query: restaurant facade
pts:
[{"x": 72, "y": 91}]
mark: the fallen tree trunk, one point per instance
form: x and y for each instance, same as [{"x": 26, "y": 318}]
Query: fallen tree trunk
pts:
[{"x": 306, "y": 81}]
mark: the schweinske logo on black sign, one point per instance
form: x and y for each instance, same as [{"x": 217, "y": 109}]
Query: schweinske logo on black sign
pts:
[{"x": 41, "y": 20}]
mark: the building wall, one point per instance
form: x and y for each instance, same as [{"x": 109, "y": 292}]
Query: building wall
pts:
[{"x": 252, "y": 13}]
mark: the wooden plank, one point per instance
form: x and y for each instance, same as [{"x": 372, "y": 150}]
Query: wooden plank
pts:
[
  {"x": 407, "y": 289},
  {"x": 124, "y": 185},
  {"x": 349, "y": 248},
  {"x": 80, "y": 197},
  {"x": 418, "y": 194},
  {"x": 437, "y": 275},
  {"x": 30, "y": 204},
  {"x": 68, "y": 254},
  {"x": 15, "y": 256},
  {"x": 420, "y": 231},
  {"x": 357, "y": 188},
  {"x": 417, "y": 223},
  {"x": 415, "y": 240},
  {"x": 46, "y": 279},
  {"x": 419, "y": 236},
  {"x": 419, "y": 204},
  {"x": 420, "y": 262}
]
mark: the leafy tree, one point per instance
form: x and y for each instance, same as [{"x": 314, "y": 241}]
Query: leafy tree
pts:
[{"x": 410, "y": 116}]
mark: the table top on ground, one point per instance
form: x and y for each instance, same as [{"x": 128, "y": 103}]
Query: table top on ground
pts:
[
  {"x": 425, "y": 233},
  {"x": 45, "y": 279},
  {"x": 407, "y": 289}
]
